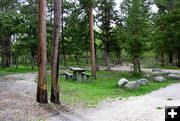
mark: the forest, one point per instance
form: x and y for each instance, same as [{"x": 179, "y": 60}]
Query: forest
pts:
[
  {"x": 131, "y": 30},
  {"x": 81, "y": 60},
  {"x": 49, "y": 35}
]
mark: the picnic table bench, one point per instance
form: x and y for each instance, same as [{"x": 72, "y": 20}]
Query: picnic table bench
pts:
[
  {"x": 68, "y": 75},
  {"x": 85, "y": 74}
]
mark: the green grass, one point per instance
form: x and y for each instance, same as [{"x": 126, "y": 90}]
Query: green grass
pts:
[
  {"x": 14, "y": 70},
  {"x": 91, "y": 93}
]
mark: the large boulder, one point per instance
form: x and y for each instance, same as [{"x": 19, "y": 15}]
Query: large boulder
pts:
[
  {"x": 122, "y": 82},
  {"x": 132, "y": 85},
  {"x": 159, "y": 79},
  {"x": 143, "y": 81},
  {"x": 173, "y": 76}
]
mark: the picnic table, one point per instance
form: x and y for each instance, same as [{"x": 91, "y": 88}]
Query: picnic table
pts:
[{"x": 77, "y": 72}]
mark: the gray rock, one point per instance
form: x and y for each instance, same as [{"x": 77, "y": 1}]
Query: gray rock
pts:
[
  {"x": 122, "y": 82},
  {"x": 143, "y": 81},
  {"x": 156, "y": 70},
  {"x": 132, "y": 85},
  {"x": 166, "y": 72},
  {"x": 159, "y": 79},
  {"x": 173, "y": 76}
]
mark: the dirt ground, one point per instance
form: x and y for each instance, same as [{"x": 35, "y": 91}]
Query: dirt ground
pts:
[{"x": 18, "y": 103}]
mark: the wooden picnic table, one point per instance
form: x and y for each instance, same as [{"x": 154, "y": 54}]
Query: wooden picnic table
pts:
[{"x": 77, "y": 72}]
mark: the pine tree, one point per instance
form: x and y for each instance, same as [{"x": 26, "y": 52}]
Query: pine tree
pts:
[
  {"x": 106, "y": 17},
  {"x": 136, "y": 21}
]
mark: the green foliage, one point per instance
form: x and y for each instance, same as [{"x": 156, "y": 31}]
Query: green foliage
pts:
[
  {"x": 136, "y": 16},
  {"x": 107, "y": 15},
  {"x": 76, "y": 29},
  {"x": 167, "y": 32}
]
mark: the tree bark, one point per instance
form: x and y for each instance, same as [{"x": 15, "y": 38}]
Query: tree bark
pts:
[
  {"x": 178, "y": 58},
  {"x": 6, "y": 51},
  {"x": 64, "y": 58},
  {"x": 55, "y": 48},
  {"x": 87, "y": 58},
  {"x": 108, "y": 60},
  {"x": 3, "y": 54},
  {"x": 42, "y": 84},
  {"x": 16, "y": 58},
  {"x": 97, "y": 65},
  {"x": 171, "y": 58},
  {"x": 136, "y": 65},
  {"x": 162, "y": 57},
  {"x": 91, "y": 28}
]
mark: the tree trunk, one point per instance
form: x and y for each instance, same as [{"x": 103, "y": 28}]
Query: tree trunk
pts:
[
  {"x": 77, "y": 58},
  {"x": 171, "y": 58},
  {"x": 97, "y": 65},
  {"x": 108, "y": 61},
  {"x": 136, "y": 65},
  {"x": 178, "y": 58},
  {"x": 55, "y": 48},
  {"x": 3, "y": 54},
  {"x": 42, "y": 84},
  {"x": 8, "y": 51},
  {"x": 64, "y": 58},
  {"x": 161, "y": 57},
  {"x": 91, "y": 28},
  {"x": 87, "y": 58},
  {"x": 16, "y": 58}
]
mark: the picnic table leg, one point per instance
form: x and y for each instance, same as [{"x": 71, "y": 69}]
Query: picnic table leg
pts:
[
  {"x": 74, "y": 75},
  {"x": 66, "y": 77},
  {"x": 82, "y": 77}
]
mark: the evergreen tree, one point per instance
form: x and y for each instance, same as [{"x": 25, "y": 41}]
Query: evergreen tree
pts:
[
  {"x": 136, "y": 16},
  {"x": 106, "y": 17}
]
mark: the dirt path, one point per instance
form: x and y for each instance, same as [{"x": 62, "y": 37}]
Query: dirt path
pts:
[
  {"x": 141, "y": 108},
  {"x": 18, "y": 103},
  {"x": 18, "y": 100},
  {"x": 128, "y": 68}
]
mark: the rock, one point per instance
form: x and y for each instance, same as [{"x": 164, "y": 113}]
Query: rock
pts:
[
  {"x": 143, "y": 81},
  {"x": 156, "y": 70},
  {"x": 159, "y": 79},
  {"x": 147, "y": 75},
  {"x": 166, "y": 72},
  {"x": 173, "y": 76},
  {"x": 132, "y": 85},
  {"x": 122, "y": 82}
]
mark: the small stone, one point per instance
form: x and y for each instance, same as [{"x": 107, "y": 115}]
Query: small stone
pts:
[
  {"x": 170, "y": 99},
  {"x": 173, "y": 76},
  {"x": 122, "y": 82},
  {"x": 132, "y": 85},
  {"x": 159, "y": 79},
  {"x": 158, "y": 70},
  {"x": 143, "y": 81},
  {"x": 166, "y": 72}
]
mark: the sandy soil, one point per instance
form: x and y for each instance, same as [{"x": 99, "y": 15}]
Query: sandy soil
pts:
[{"x": 18, "y": 103}]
